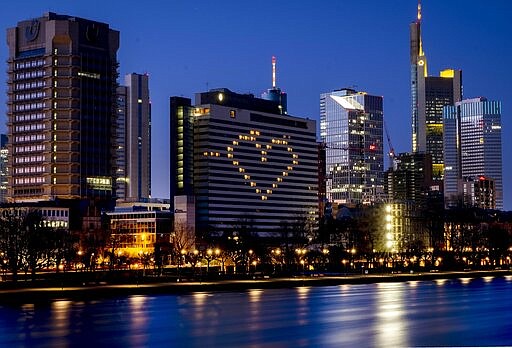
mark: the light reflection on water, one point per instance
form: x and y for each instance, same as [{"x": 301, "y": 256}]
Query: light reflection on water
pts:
[
  {"x": 391, "y": 326},
  {"x": 466, "y": 311}
]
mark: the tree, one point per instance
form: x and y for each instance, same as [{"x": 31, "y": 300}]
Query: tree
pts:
[
  {"x": 182, "y": 239},
  {"x": 12, "y": 240}
]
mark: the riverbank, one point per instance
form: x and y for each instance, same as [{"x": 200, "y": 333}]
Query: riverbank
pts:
[{"x": 92, "y": 292}]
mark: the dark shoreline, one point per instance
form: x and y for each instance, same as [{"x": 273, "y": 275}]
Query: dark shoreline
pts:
[{"x": 88, "y": 292}]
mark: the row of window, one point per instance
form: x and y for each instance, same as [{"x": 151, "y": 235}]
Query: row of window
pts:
[
  {"x": 32, "y": 137},
  {"x": 28, "y": 96},
  {"x": 26, "y": 170},
  {"x": 30, "y": 180},
  {"x": 29, "y": 117},
  {"x": 27, "y": 85},
  {"x": 29, "y": 127},
  {"x": 54, "y": 212},
  {"x": 28, "y": 148},
  {"x": 31, "y": 106},
  {"x": 30, "y": 64},
  {"x": 29, "y": 74},
  {"x": 29, "y": 159}
]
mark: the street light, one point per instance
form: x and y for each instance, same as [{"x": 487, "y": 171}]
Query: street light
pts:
[{"x": 209, "y": 253}]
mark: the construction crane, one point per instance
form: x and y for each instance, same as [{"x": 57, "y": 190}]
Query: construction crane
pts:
[{"x": 391, "y": 152}]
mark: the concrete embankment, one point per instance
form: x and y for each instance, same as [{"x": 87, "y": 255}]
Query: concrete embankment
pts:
[{"x": 101, "y": 291}]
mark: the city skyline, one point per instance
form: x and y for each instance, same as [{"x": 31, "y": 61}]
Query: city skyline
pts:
[{"x": 194, "y": 47}]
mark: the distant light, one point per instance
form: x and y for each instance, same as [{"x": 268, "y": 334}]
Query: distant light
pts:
[{"x": 220, "y": 97}]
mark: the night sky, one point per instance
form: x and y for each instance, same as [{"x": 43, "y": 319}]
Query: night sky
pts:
[{"x": 191, "y": 46}]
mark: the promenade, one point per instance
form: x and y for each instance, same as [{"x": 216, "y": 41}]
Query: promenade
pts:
[{"x": 89, "y": 291}]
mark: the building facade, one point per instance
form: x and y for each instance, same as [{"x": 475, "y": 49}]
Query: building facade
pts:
[
  {"x": 411, "y": 179},
  {"x": 251, "y": 165},
  {"x": 473, "y": 148},
  {"x": 429, "y": 94},
  {"x": 351, "y": 128},
  {"x": 62, "y": 73},
  {"x": 133, "y": 160},
  {"x": 138, "y": 228}
]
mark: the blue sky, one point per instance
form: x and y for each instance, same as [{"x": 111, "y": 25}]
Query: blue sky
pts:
[{"x": 189, "y": 46}]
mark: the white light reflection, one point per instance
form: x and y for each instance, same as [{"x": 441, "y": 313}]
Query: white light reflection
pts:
[
  {"x": 139, "y": 318},
  {"x": 413, "y": 283},
  {"x": 303, "y": 292},
  {"x": 488, "y": 279},
  {"x": 391, "y": 330},
  {"x": 255, "y": 295},
  {"x": 465, "y": 281},
  {"x": 508, "y": 278},
  {"x": 440, "y": 282},
  {"x": 200, "y": 298},
  {"x": 60, "y": 317},
  {"x": 302, "y": 308}
]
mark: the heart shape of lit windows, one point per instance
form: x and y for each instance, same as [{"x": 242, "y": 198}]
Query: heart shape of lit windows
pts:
[{"x": 265, "y": 147}]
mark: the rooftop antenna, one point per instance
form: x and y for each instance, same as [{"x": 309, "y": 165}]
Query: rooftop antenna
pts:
[
  {"x": 419, "y": 10},
  {"x": 273, "y": 72}
]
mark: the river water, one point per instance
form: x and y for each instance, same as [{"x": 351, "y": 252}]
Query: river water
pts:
[{"x": 459, "y": 312}]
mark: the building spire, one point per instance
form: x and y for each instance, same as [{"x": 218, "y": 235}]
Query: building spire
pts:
[{"x": 419, "y": 11}]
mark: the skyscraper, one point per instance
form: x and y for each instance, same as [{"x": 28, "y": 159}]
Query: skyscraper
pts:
[
  {"x": 62, "y": 73},
  {"x": 410, "y": 181},
  {"x": 250, "y": 164},
  {"x": 428, "y": 96},
  {"x": 473, "y": 148},
  {"x": 134, "y": 139},
  {"x": 351, "y": 127}
]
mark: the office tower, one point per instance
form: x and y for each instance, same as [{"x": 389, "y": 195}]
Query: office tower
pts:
[
  {"x": 133, "y": 160},
  {"x": 411, "y": 179},
  {"x": 4, "y": 169},
  {"x": 243, "y": 162},
  {"x": 62, "y": 73},
  {"x": 275, "y": 94},
  {"x": 472, "y": 147},
  {"x": 351, "y": 127},
  {"x": 428, "y": 96}
]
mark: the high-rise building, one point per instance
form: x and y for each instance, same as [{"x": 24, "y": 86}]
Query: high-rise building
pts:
[
  {"x": 4, "y": 169},
  {"x": 411, "y": 179},
  {"x": 242, "y": 162},
  {"x": 133, "y": 160},
  {"x": 429, "y": 94},
  {"x": 351, "y": 128},
  {"x": 472, "y": 148},
  {"x": 62, "y": 73}
]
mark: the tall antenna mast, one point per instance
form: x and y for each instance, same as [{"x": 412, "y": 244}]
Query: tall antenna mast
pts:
[
  {"x": 419, "y": 10},
  {"x": 273, "y": 72}
]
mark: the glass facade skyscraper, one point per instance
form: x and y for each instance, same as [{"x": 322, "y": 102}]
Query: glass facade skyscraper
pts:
[
  {"x": 429, "y": 94},
  {"x": 473, "y": 147},
  {"x": 134, "y": 139},
  {"x": 351, "y": 128}
]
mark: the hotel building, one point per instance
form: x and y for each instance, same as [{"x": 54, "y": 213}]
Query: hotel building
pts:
[{"x": 235, "y": 159}]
